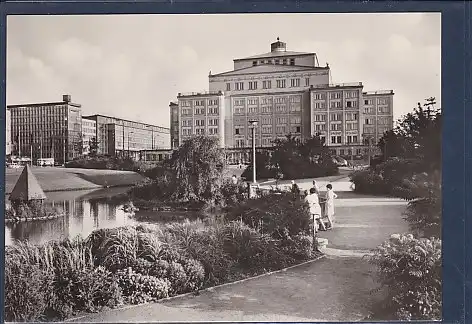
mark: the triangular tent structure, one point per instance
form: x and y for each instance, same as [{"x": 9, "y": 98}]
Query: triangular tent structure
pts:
[{"x": 27, "y": 187}]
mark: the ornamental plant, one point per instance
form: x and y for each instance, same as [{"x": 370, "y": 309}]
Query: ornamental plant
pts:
[{"x": 410, "y": 269}]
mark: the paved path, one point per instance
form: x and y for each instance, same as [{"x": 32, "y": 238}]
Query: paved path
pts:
[{"x": 335, "y": 288}]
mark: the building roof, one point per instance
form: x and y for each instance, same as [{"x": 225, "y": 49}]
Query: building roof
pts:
[
  {"x": 127, "y": 120},
  {"x": 269, "y": 68},
  {"x": 27, "y": 187},
  {"x": 274, "y": 54},
  {"x": 45, "y": 104}
]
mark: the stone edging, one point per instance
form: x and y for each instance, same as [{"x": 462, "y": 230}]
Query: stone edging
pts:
[{"x": 205, "y": 289}]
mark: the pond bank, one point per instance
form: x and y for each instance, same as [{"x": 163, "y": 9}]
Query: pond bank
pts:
[{"x": 70, "y": 179}]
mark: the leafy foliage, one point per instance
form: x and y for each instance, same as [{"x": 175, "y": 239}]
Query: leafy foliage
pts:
[
  {"x": 278, "y": 214},
  {"x": 411, "y": 270}
]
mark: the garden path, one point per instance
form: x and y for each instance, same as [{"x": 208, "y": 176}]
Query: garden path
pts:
[{"x": 335, "y": 288}]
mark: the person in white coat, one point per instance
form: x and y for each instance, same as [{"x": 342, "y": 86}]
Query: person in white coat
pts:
[
  {"x": 329, "y": 207},
  {"x": 315, "y": 209}
]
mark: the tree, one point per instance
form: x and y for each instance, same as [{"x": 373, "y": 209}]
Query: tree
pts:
[
  {"x": 198, "y": 168},
  {"x": 418, "y": 135},
  {"x": 93, "y": 146}
]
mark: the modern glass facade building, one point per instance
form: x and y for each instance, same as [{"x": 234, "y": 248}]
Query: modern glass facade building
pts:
[
  {"x": 47, "y": 130},
  {"x": 121, "y": 137}
]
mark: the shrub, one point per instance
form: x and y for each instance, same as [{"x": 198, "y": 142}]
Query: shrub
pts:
[
  {"x": 138, "y": 288},
  {"x": 300, "y": 247},
  {"x": 278, "y": 214},
  {"x": 84, "y": 290},
  {"x": 207, "y": 248},
  {"x": 195, "y": 274},
  {"x": 28, "y": 289},
  {"x": 233, "y": 193},
  {"x": 410, "y": 268}
]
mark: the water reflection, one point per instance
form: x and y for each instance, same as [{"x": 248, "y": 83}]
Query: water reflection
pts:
[{"x": 86, "y": 211}]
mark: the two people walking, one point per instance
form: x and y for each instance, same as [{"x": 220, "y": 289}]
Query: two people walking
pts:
[{"x": 313, "y": 200}]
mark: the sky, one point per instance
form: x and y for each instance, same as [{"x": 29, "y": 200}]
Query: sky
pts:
[{"x": 132, "y": 66}]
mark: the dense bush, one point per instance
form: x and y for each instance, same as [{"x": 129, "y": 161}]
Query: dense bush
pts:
[
  {"x": 138, "y": 288},
  {"x": 410, "y": 268},
  {"x": 232, "y": 194},
  {"x": 106, "y": 162},
  {"x": 84, "y": 290},
  {"x": 278, "y": 214},
  {"x": 27, "y": 290}
]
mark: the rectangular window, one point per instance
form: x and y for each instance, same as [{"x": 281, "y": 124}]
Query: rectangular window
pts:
[
  {"x": 267, "y": 129},
  {"x": 280, "y": 83},
  {"x": 354, "y": 139},
  {"x": 254, "y": 63},
  {"x": 267, "y": 84},
  {"x": 320, "y": 117},
  {"x": 336, "y": 104},
  {"x": 281, "y": 120},
  {"x": 266, "y": 109},
  {"x": 294, "y": 82},
  {"x": 339, "y": 139},
  {"x": 292, "y": 61},
  {"x": 279, "y": 100},
  {"x": 368, "y": 121},
  {"x": 277, "y": 61},
  {"x": 239, "y": 86},
  {"x": 252, "y": 85},
  {"x": 335, "y": 95},
  {"x": 335, "y": 127},
  {"x": 307, "y": 82},
  {"x": 295, "y": 108},
  {"x": 228, "y": 86},
  {"x": 284, "y": 61},
  {"x": 295, "y": 120},
  {"x": 333, "y": 139}
]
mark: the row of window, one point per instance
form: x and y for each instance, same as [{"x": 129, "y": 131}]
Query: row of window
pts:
[
  {"x": 265, "y": 101},
  {"x": 199, "y": 102},
  {"x": 275, "y": 61},
  {"x": 268, "y": 129},
  {"x": 380, "y": 101},
  {"x": 380, "y": 110},
  {"x": 335, "y": 104},
  {"x": 199, "y": 131},
  {"x": 336, "y": 116},
  {"x": 200, "y": 111},
  {"x": 200, "y": 122},
  {"x": 266, "y": 109},
  {"x": 267, "y": 84}
]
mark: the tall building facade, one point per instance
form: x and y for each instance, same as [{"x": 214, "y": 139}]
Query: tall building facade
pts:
[
  {"x": 121, "y": 137},
  {"x": 47, "y": 130},
  {"x": 174, "y": 125},
  {"x": 288, "y": 92},
  {"x": 7, "y": 132},
  {"x": 199, "y": 114},
  {"x": 89, "y": 133}
]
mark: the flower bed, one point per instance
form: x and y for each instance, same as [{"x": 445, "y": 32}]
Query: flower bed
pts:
[{"x": 137, "y": 264}]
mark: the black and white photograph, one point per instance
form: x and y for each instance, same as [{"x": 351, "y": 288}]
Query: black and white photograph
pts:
[{"x": 223, "y": 167}]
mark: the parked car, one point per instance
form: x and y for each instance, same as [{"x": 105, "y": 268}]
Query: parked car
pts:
[{"x": 340, "y": 161}]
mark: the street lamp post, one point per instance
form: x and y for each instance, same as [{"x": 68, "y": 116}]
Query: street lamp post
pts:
[{"x": 253, "y": 124}]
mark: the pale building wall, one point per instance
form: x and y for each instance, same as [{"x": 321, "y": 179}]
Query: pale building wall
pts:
[
  {"x": 89, "y": 131},
  {"x": 300, "y": 60},
  {"x": 201, "y": 114},
  {"x": 378, "y": 113},
  {"x": 268, "y": 78}
]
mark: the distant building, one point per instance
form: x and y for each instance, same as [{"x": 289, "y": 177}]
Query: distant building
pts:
[
  {"x": 174, "y": 124},
  {"x": 199, "y": 114},
  {"x": 287, "y": 93},
  {"x": 7, "y": 132},
  {"x": 45, "y": 130},
  {"x": 89, "y": 133},
  {"x": 121, "y": 137}
]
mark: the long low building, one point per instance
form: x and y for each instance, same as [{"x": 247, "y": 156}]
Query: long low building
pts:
[
  {"x": 121, "y": 137},
  {"x": 285, "y": 92}
]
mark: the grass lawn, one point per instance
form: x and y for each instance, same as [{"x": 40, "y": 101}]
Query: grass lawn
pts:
[{"x": 57, "y": 179}]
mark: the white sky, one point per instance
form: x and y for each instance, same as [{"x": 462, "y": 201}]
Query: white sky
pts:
[{"x": 132, "y": 66}]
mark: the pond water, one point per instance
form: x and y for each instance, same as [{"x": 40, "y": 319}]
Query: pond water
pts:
[{"x": 86, "y": 211}]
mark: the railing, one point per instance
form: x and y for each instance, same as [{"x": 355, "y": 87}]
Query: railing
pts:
[
  {"x": 200, "y": 93},
  {"x": 338, "y": 85},
  {"x": 378, "y": 92}
]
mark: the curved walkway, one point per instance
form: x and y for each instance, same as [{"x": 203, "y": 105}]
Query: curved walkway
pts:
[{"x": 335, "y": 288}]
